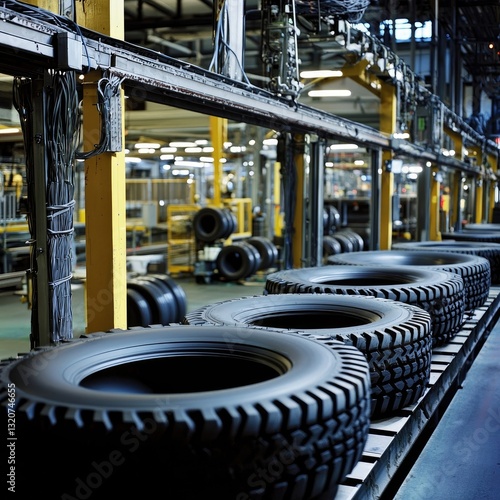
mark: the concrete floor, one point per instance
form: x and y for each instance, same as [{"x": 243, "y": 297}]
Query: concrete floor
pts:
[{"x": 15, "y": 317}]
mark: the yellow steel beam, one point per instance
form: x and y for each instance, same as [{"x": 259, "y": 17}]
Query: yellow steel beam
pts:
[
  {"x": 52, "y": 5},
  {"x": 105, "y": 232},
  {"x": 359, "y": 74},
  {"x": 278, "y": 219},
  {"x": 434, "y": 229},
  {"x": 456, "y": 200},
  {"x": 493, "y": 163},
  {"x": 480, "y": 193},
  {"x": 218, "y": 135},
  {"x": 388, "y": 109}
]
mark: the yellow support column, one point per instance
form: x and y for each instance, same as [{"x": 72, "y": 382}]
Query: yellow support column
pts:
[
  {"x": 479, "y": 200},
  {"x": 456, "y": 193},
  {"x": 52, "y": 5},
  {"x": 388, "y": 107},
  {"x": 278, "y": 219},
  {"x": 105, "y": 232},
  {"x": 434, "y": 228},
  {"x": 493, "y": 163},
  {"x": 218, "y": 135},
  {"x": 456, "y": 202}
]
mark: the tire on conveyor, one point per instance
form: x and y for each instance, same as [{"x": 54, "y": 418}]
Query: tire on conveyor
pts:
[
  {"x": 489, "y": 251},
  {"x": 394, "y": 337},
  {"x": 193, "y": 412},
  {"x": 438, "y": 292},
  {"x": 479, "y": 236},
  {"x": 474, "y": 270}
]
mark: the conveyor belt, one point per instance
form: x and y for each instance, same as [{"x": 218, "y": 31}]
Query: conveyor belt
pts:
[{"x": 394, "y": 439}]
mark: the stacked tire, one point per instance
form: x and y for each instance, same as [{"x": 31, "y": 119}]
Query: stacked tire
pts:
[
  {"x": 154, "y": 299},
  {"x": 395, "y": 338},
  {"x": 211, "y": 224},
  {"x": 193, "y": 412},
  {"x": 240, "y": 260}
]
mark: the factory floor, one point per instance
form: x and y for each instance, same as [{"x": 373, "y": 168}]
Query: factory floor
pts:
[
  {"x": 461, "y": 459},
  {"x": 15, "y": 316}
]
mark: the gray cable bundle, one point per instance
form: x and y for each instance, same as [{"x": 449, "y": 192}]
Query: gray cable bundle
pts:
[{"x": 352, "y": 10}]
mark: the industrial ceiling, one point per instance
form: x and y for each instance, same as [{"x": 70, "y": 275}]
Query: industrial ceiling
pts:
[{"x": 184, "y": 29}]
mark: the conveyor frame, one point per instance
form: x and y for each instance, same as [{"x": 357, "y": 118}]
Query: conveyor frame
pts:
[{"x": 393, "y": 442}]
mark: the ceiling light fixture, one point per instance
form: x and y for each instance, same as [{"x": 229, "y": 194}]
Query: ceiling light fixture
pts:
[
  {"x": 321, "y": 73},
  {"x": 342, "y": 147},
  {"x": 10, "y": 130},
  {"x": 182, "y": 144},
  {"x": 329, "y": 93},
  {"x": 147, "y": 145}
]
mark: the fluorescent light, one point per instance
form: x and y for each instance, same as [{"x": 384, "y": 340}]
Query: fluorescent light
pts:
[
  {"x": 147, "y": 145},
  {"x": 342, "y": 147},
  {"x": 166, "y": 157},
  {"x": 321, "y": 73},
  {"x": 132, "y": 159},
  {"x": 10, "y": 130},
  {"x": 270, "y": 142},
  {"x": 168, "y": 150},
  {"x": 146, "y": 151},
  {"x": 359, "y": 162},
  {"x": 401, "y": 135},
  {"x": 206, "y": 159},
  {"x": 182, "y": 144},
  {"x": 193, "y": 150},
  {"x": 329, "y": 93}
]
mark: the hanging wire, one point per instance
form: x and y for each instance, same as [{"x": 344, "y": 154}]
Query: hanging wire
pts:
[
  {"x": 62, "y": 126},
  {"x": 108, "y": 87},
  {"x": 222, "y": 49}
]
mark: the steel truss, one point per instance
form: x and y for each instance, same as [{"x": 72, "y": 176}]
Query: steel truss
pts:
[{"x": 30, "y": 44}]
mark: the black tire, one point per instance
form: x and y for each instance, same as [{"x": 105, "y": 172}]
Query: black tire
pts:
[
  {"x": 138, "y": 310},
  {"x": 482, "y": 227},
  {"x": 394, "y": 337},
  {"x": 331, "y": 220},
  {"x": 267, "y": 250},
  {"x": 238, "y": 261},
  {"x": 489, "y": 251},
  {"x": 474, "y": 270},
  {"x": 211, "y": 224},
  {"x": 356, "y": 240},
  {"x": 479, "y": 236},
  {"x": 191, "y": 412},
  {"x": 345, "y": 242},
  {"x": 331, "y": 246},
  {"x": 178, "y": 295},
  {"x": 159, "y": 304},
  {"x": 440, "y": 293}
]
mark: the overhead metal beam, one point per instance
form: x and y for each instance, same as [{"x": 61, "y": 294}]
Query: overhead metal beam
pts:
[{"x": 165, "y": 80}]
